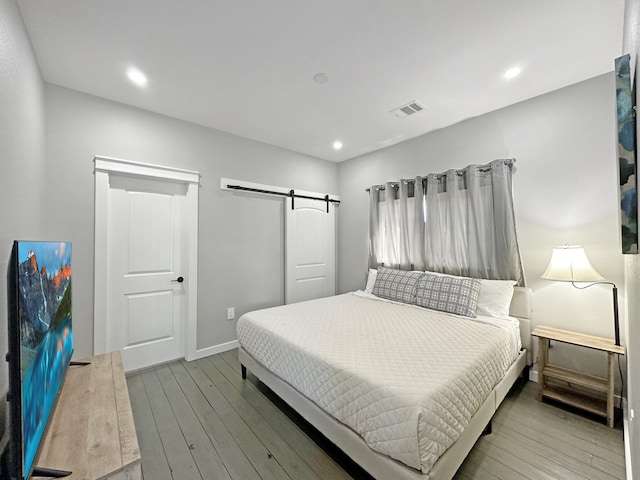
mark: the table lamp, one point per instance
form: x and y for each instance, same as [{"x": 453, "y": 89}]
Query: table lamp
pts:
[{"x": 570, "y": 264}]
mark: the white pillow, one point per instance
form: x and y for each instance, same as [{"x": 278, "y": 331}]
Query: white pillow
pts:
[
  {"x": 371, "y": 280},
  {"x": 495, "y": 298}
]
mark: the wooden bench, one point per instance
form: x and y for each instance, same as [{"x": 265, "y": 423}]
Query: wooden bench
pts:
[{"x": 91, "y": 432}]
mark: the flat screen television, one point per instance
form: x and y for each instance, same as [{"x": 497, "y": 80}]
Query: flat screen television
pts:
[{"x": 40, "y": 345}]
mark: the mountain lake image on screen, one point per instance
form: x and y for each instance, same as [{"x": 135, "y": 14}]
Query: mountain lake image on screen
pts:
[{"x": 46, "y": 340}]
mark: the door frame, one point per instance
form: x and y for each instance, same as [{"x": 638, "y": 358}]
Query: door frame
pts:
[{"x": 103, "y": 168}]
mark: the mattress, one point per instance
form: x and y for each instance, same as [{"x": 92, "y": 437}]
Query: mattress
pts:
[{"x": 406, "y": 379}]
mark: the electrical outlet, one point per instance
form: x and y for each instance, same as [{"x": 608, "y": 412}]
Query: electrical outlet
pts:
[{"x": 231, "y": 313}]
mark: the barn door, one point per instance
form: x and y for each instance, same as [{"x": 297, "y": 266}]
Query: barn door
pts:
[{"x": 310, "y": 267}]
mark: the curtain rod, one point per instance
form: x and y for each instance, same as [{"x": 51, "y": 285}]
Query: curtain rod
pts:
[
  {"x": 458, "y": 171},
  {"x": 291, "y": 194}
]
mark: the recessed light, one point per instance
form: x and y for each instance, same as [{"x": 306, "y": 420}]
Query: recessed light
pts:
[
  {"x": 512, "y": 73},
  {"x": 137, "y": 77},
  {"x": 337, "y": 145}
]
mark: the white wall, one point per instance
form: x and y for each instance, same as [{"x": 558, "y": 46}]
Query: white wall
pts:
[
  {"x": 565, "y": 189},
  {"x": 631, "y": 44},
  {"x": 22, "y": 155},
  {"x": 241, "y": 240}
]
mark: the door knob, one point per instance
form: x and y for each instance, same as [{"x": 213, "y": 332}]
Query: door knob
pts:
[{"x": 179, "y": 280}]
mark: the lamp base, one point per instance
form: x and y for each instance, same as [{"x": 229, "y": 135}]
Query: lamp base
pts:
[{"x": 616, "y": 320}]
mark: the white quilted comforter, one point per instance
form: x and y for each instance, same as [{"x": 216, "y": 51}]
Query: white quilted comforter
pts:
[{"x": 406, "y": 379}]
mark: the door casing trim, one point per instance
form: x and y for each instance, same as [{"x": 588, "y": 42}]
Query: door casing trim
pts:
[{"x": 103, "y": 168}]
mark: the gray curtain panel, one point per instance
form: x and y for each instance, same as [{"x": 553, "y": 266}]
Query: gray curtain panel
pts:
[{"x": 459, "y": 222}]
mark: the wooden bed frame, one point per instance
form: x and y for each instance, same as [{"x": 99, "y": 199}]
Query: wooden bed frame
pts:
[{"x": 382, "y": 466}]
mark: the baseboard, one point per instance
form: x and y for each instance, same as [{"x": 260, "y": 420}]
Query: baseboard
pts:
[
  {"x": 627, "y": 447},
  {"x": 205, "y": 352}
]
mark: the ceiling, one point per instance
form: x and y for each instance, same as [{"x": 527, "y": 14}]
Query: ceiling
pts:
[{"x": 248, "y": 66}]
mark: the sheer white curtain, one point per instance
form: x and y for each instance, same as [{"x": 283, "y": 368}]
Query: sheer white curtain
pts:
[
  {"x": 392, "y": 225},
  {"x": 459, "y": 222}
]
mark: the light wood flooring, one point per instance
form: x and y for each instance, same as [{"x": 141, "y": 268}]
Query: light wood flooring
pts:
[{"x": 200, "y": 420}]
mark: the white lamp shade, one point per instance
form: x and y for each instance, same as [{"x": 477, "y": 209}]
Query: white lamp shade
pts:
[{"x": 570, "y": 264}]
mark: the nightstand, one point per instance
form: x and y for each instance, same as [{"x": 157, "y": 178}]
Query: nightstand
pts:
[{"x": 569, "y": 395}]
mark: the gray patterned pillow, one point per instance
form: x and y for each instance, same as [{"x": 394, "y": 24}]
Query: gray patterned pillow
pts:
[
  {"x": 457, "y": 295},
  {"x": 398, "y": 285}
]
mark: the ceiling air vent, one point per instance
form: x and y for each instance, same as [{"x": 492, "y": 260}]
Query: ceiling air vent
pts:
[{"x": 408, "y": 109}]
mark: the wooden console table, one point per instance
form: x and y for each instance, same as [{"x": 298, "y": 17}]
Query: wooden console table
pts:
[
  {"x": 91, "y": 432},
  {"x": 568, "y": 395}
]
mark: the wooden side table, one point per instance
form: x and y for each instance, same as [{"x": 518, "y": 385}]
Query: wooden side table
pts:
[{"x": 568, "y": 395}]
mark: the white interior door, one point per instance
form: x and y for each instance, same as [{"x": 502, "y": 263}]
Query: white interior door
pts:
[
  {"x": 310, "y": 266},
  {"x": 146, "y": 252}
]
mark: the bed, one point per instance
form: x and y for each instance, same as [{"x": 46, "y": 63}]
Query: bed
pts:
[{"x": 405, "y": 391}]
